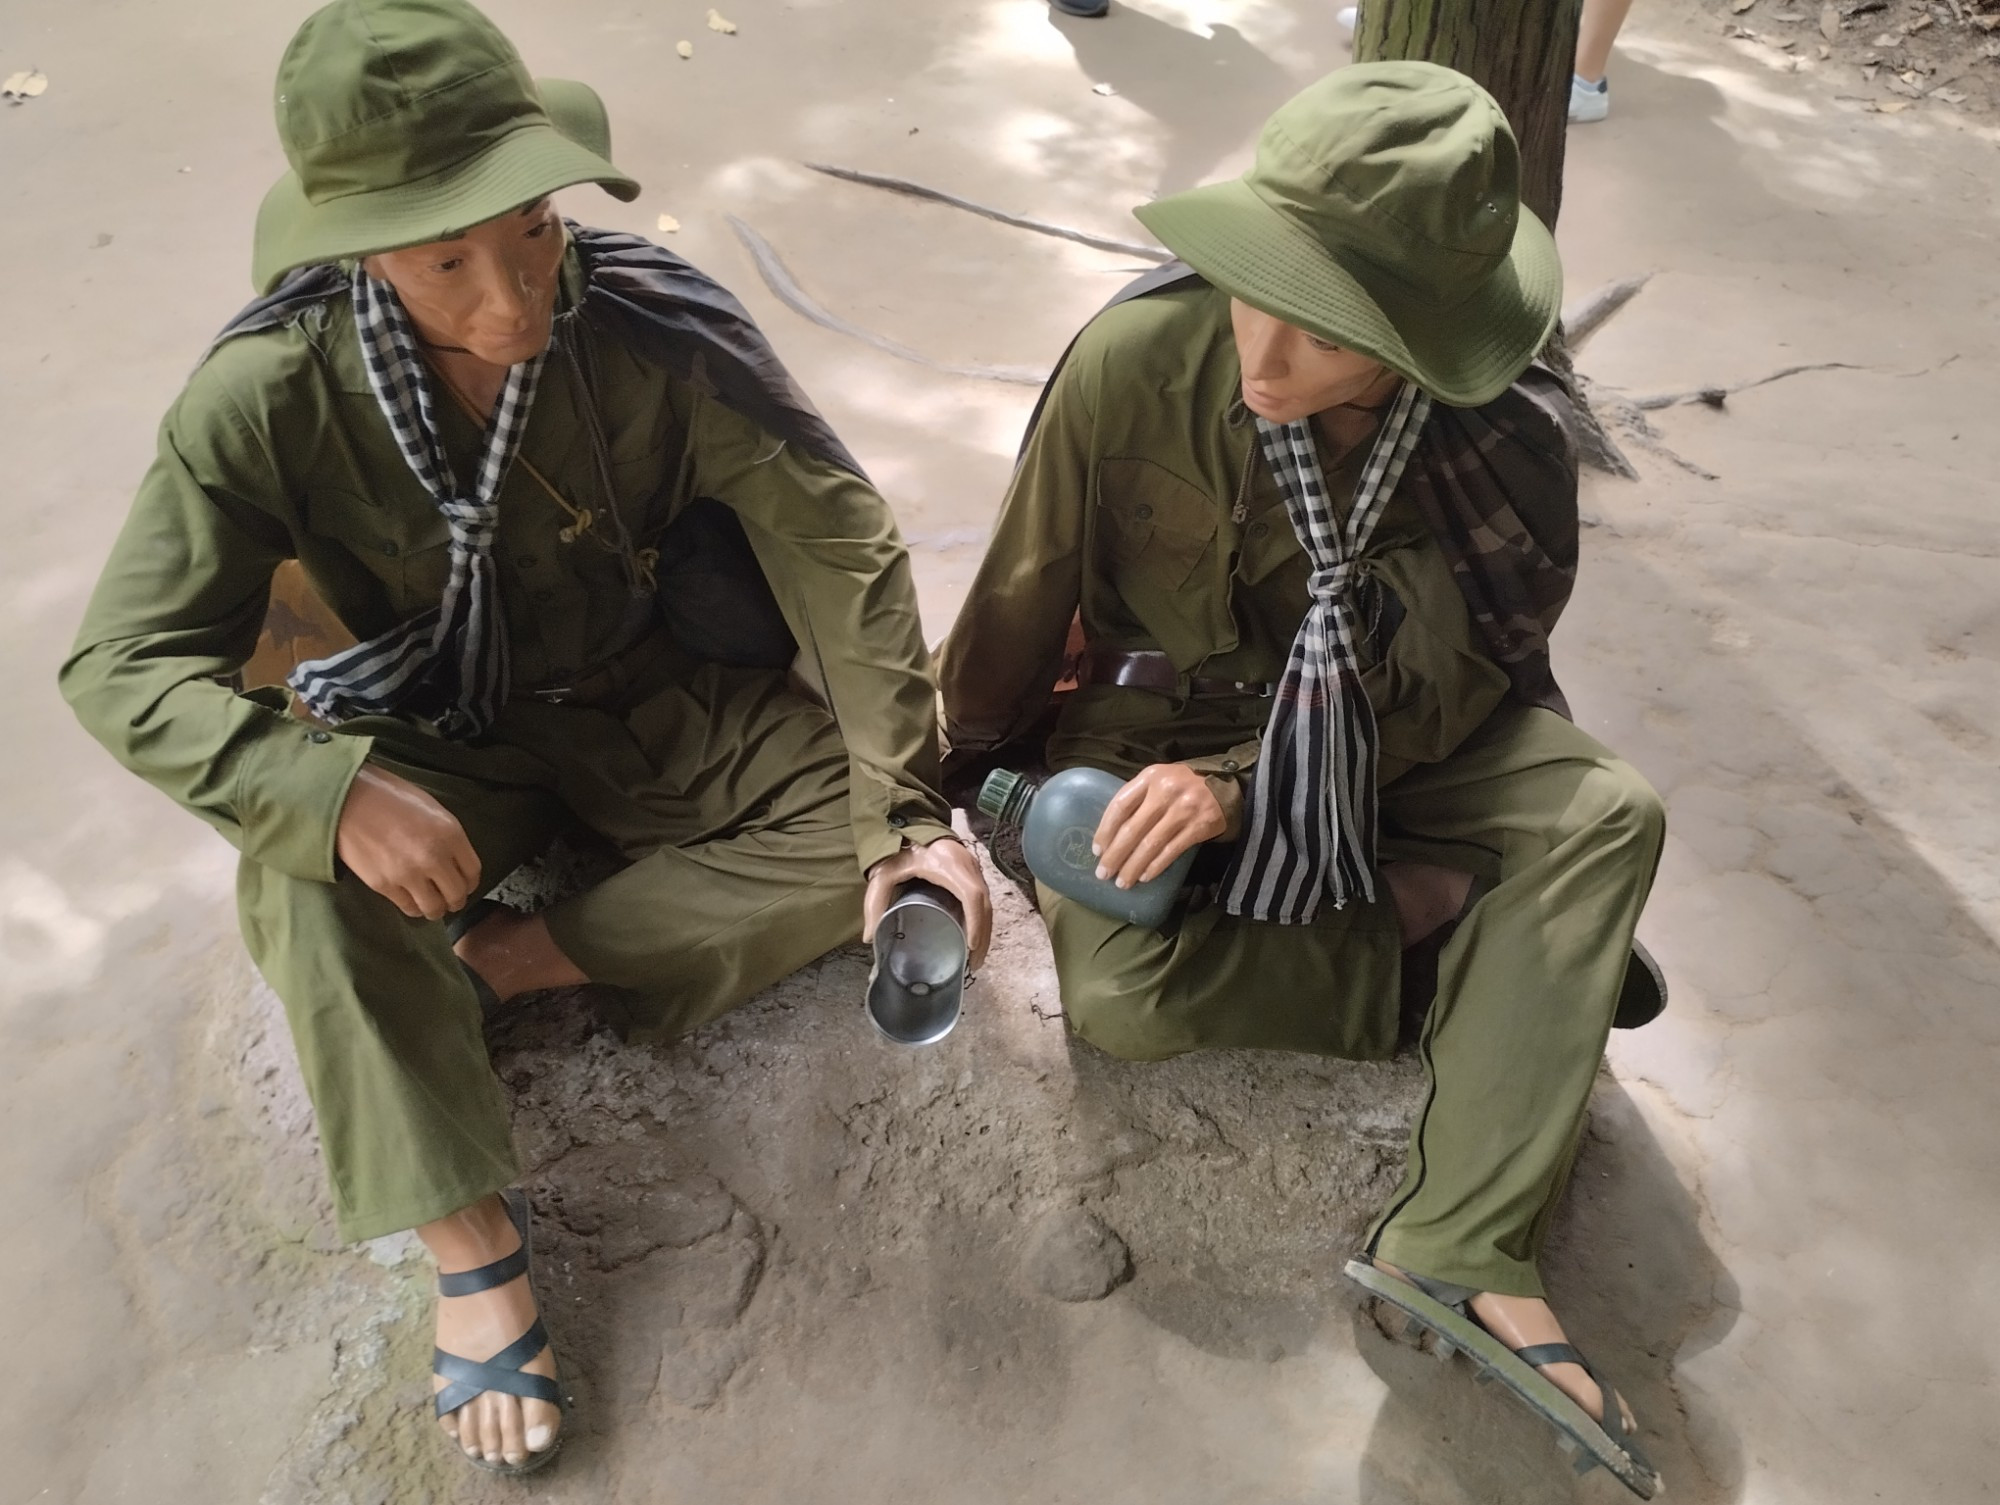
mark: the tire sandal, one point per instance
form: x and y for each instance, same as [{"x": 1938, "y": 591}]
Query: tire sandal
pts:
[
  {"x": 467, "y": 1379},
  {"x": 1445, "y": 1311}
]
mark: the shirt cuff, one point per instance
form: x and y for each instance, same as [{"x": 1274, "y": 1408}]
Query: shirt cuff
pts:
[
  {"x": 290, "y": 794},
  {"x": 1224, "y": 774},
  {"x": 900, "y": 829}
]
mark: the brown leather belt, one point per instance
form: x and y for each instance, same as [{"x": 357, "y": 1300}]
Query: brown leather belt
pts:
[{"x": 1150, "y": 669}]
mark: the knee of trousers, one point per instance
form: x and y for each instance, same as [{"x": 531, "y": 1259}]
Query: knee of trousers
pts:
[
  {"x": 1617, "y": 809},
  {"x": 1124, "y": 1016}
]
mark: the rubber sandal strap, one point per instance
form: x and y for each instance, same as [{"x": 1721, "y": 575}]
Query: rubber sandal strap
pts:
[
  {"x": 1539, "y": 1354},
  {"x": 507, "y": 1267},
  {"x": 486, "y": 1277},
  {"x": 468, "y": 1378}
]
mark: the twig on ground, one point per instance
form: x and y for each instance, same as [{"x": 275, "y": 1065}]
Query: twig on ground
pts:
[
  {"x": 780, "y": 281},
  {"x": 1584, "y": 319},
  {"x": 1020, "y": 222}
]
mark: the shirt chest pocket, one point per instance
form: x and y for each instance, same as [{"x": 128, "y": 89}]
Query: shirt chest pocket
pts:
[
  {"x": 403, "y": 543},
  {"x": 1156, "y": 539}
]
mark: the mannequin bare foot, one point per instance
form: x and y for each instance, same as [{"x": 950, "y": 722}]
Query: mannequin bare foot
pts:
[
  {"x": 494, "y": 1426},
  {"x": 1426, "y": 897},
  {"x": 1519, "y": 1321},
  {"x": 514, "y": 953}
]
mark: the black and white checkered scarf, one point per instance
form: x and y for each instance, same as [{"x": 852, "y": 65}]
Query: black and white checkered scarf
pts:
[
  {"x": 449, "y": 664},
  {"x": 1309, "y": 824}
]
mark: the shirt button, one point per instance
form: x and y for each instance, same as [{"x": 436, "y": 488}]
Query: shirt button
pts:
[
  {"x": 899, "y": 821},
  {"x": 319, "y": 736},
  {"x": 1229, "y": 765},
  {"x": 1142, "y": 511},
  {"x": 389, "y": 547},
  {"x": 527, "y": 561},
  {"x": 1258, "y": 530}
]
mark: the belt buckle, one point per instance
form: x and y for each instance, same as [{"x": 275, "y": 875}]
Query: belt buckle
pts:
[{"x": 555, "y": 695}]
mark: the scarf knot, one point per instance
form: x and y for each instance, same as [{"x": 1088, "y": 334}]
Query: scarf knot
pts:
[{"x": 449, "y": 664}]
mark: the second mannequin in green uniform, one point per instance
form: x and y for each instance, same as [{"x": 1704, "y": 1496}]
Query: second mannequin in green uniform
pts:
[{"x": 1145, "y": 517}]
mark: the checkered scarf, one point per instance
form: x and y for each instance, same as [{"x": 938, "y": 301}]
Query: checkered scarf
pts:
[
  {"x": 1309, "y": 824},
  {"x": 448, "y": 664}
]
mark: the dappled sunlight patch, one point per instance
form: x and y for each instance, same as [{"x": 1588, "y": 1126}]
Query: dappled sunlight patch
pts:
[{"x": 1792, "y": 137}]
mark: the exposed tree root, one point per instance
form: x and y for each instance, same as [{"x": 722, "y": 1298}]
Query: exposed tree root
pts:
[
  {"x": 985, "y": 211},
  {"x": 1715, "y": 397},
  {"x": 780, "y": 281},
  {"x": 1582, "y": 320}
]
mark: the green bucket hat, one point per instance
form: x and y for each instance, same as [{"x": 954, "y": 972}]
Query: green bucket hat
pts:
[
  {"x": 1384, "y": 215},
  {"x": 406, "y": 121}
]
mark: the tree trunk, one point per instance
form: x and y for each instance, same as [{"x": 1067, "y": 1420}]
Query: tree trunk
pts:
[{"x": 1521, "y": 52}]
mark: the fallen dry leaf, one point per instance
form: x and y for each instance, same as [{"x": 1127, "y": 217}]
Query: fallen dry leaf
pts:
[
  {"x": 718, "y": 22},
  {"x": 1950, "y": 96},
  {"x": 1102, "y": 89},
  {"x": 1890, "y": 106},
  {"x": 26, "y": 84},
  {"x": 1987, "y": 23},
  {"x": 1737, "y": 7},
  {"x": 1829, "y": 22},
  {"x": 1918, "y": 25},
  {"x": 669, "y": 224},
  {"x": 685, "y": 49}
]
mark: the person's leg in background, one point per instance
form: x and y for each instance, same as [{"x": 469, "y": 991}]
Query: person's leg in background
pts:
[{"x": 1589, "y": 91}]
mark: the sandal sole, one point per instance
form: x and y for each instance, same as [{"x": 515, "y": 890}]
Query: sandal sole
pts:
[{"x": 1494, "y": 1361}]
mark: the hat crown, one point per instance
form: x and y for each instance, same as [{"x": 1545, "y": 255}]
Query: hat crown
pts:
[
  {"x": 377, "y": 94},
  {"x": 1404, "y": 172}
]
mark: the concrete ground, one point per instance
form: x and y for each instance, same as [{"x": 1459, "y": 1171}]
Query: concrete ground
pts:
[{"x": 784, "y": 1262}]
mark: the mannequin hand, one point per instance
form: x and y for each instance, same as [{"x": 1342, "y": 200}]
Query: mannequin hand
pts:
[
  {"x": 951, "y": 867},
  {"x": 406, "y": 846},
  {"x": 1165, "y": 810}
]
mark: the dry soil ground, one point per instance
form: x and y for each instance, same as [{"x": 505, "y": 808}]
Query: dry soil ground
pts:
[{"x": 785, "y": 1262}]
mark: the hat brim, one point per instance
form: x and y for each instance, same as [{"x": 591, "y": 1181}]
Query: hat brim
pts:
[
  {"x": 1462, "y": 356},
  {"x": 520, "y": 167}
]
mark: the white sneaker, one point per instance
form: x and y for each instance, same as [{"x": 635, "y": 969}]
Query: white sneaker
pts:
[
  {"x": 1588, "y": 102},
  {"x": 1347, "y": 15}
]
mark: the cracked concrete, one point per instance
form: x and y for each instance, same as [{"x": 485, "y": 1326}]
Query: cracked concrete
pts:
[{"x": 783, "y": 1260}]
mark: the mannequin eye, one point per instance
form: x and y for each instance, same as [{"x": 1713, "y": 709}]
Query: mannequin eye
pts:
[
  {"x": 1318, "y": 344},
  {"x": 448, "y": 266},
  {"x": 540, "y": 230}
]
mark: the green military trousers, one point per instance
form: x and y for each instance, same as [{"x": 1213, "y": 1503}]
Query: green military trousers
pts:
[
  {"x": 726, "y": 792},
  {"x": 1569, "y": 836}
]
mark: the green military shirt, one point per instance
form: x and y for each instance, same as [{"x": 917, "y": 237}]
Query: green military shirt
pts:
[
  {"x": 278, "y": 449},
  {"x": 1142, "y": 505}
]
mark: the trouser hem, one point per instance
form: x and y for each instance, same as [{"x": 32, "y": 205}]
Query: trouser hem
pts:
[
  {"x": 358, "y": 1225},
  {"x": 1487, "y": 1272}
]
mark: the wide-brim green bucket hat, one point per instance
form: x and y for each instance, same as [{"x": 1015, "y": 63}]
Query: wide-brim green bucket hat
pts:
[
  {"x": 1383, "y": 214},
  {"x": 407, "y": 121}
]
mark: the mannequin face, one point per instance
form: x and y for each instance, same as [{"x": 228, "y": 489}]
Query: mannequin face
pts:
[
  {"x": 1289, "y": 374},
  {"x": 490, "y": 291}
]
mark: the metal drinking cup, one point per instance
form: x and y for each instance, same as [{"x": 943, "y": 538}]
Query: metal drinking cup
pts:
[{"x": 918, "y": 980}]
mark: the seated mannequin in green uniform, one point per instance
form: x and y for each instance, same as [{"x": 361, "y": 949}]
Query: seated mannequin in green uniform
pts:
[
  {"x": 567, "y": 396},
  {"x": 1372, "y": 279}
]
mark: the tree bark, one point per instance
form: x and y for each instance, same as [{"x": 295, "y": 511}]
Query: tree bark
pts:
[
  {"x": 1520, "y": 51},
  {"x": 1523, "y": 53}
]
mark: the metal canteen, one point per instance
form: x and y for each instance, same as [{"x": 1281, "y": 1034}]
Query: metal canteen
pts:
[{"x": 918, "y": 980}]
